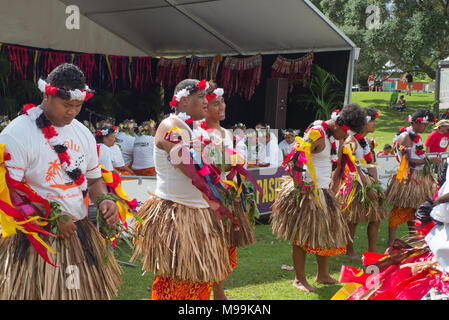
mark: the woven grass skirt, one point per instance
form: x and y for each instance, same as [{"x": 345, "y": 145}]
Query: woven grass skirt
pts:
[
  {"x": 321, "y": 231},
  {"x": 358, "y": 212},
  {"x": 245, "y": 235},
  {"x": 82, "y": 273},
  {"x": 181, "y": 242},
  {"x": 410, "y": 193}
]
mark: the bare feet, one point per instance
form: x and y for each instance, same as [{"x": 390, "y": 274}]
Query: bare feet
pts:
[
  {"x": 220, "y": 297},
  {"x": 327, "y": 279},
  {"x": 303, "y": 285}
]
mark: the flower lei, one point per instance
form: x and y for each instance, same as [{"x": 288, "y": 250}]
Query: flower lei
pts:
[
  {"x": 37, "y": 114},
  {"x": 360, "y": 139},
  {"x": 202, "y": 85},
  {"x": 325, "y": 126},
  {"x": 174, "y": 134},
  {"x": 416, "y": 138},
  {"x": 365, "y": 146}
]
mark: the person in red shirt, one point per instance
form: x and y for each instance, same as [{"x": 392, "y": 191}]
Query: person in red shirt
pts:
[
  {"x": 371, "y": 82},
  {"x": 438, "y": 140},
  {"x": 386, "y": 151}
]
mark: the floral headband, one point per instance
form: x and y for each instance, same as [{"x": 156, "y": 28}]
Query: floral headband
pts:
[
  {"x": 105, "y": 132},
  {"x": 217, "y": 93},
  {"x": 335, "y": 115},
  {"x": 82, "y": 95},
  {"x": 368, "y": 118},
  {"x": 425, "y": 119},
  {"x": 202, "y": 85}
]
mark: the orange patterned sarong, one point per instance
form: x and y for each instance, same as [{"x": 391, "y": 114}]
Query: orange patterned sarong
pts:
[
  {"x": 321, "y": 251},
  {"x": 232, "y": 251},
  {"x": 399, "y": 216},
  {"x": 145, "y": 172},
  {"x": 165, "y": 288}
]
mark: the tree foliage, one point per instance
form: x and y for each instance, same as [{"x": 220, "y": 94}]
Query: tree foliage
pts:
[{"x": 413, "y": 34}]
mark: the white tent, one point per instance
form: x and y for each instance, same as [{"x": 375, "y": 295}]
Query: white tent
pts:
[
  {"x": 390, "y": 67},
  {"x": 175, "y": 28}
]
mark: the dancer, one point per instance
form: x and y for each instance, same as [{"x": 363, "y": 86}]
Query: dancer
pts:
[
  {"x": 413, "y": 182},
  {"x": 216, "y": 112},
  {"x": 54, "y": 164},
  {"x": 183, "y": 240},
  {"x": 306, "y": 212},
  {"x": 360, "y": 193}
]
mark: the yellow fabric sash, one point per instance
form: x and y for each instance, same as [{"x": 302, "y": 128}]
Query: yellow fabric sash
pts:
[
  {"x": 348, "y": 151},
  {"x": 305, "y": 145},
  {"x": 123, "y": 209},
  {"x": 403, "y": 168},
  {"x": 8, "y": 224}
]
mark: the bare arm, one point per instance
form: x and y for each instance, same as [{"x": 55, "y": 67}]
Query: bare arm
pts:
[{"x": 404, "y": 140}]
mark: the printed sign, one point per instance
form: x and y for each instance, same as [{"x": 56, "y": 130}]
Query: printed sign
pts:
[
  {"x": 269, "y": 183},
  {"x": 388, "y": 166}
]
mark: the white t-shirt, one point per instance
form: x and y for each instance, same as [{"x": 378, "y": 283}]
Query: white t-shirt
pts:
[
  {"x": 116, "y": 156},
  {"x": 285, "y": 147},
  {"x": 105, "y": 157},
  {"x": 143, "y": 152},
  {"x": 126, "y": 143},
  {"x": 34, "y": 161}
]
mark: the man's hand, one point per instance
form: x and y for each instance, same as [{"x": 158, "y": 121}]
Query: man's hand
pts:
[
  {"x": 110, "y": 211},
  {"x": 66, "y": 229}
]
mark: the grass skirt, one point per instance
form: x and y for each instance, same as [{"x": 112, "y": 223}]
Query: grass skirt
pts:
[
  {"x": 181, "y": 242},
  {"x": 245, "y": 235},
  {"x": 26, "y": 276},
  {"x": 317, "y": 230},
  {"x": 410, "y": 193},
  {"x": 357, "y": 212}
]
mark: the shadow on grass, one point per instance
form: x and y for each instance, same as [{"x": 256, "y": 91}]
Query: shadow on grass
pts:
[{"x": 258, "y": 275}]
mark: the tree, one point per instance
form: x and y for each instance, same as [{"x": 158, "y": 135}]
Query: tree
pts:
[
  {"x": 325, "y": 93},
  {"x": 412, "y": 33}
]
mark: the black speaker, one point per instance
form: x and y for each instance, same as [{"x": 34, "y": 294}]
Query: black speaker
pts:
[{"x": 276, "y": 102}]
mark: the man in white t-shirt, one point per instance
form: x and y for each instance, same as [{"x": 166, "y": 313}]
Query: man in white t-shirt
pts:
[
  {"x": 125, "y": 139},
  {"x": 36, "y": 154},
  {"x": 143, "y": 155},
  {"x": 110, "y": 155}
]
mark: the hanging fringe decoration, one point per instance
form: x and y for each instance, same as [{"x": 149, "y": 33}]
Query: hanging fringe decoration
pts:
[
  {"x": 86, "y": 62},
  {"x": 19, "y": 59},
  {"x": 241, "y": 75},
  {"x": 171, "y": 71},
  {"x": 199, "y": 68},
  {"x": 214, "y": 68},
  {"x": 143, "y": 77},
  {"x": 293, "y": 69}
]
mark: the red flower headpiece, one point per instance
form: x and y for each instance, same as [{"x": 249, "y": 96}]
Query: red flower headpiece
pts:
[
  {"x": 82, "y": 95},
  {"x": 202, "y": 85},
  {"x": 217, "y": 93}
]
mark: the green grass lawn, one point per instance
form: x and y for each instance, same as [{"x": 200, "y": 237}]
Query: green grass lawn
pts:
[
  {"x": 258, "y": 275},
  {"x": 390, "y": 120}
]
